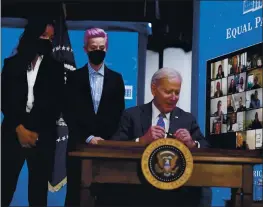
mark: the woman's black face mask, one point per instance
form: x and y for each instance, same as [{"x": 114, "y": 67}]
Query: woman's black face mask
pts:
[
  {"x": 96, "y": 57},
  {"x": 44, "y": 46}
]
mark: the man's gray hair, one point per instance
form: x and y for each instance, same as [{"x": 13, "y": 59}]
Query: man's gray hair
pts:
[{"x": 169, "y": 73}]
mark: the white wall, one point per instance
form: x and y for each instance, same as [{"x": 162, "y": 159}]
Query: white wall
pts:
[{"x": 152, "y": 65}]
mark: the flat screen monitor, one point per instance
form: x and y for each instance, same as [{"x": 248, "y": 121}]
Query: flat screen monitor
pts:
[{"x": 234, "y": 98}]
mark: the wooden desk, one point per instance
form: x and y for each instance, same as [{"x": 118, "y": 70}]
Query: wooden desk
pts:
[{"x": 118, "y": 162}]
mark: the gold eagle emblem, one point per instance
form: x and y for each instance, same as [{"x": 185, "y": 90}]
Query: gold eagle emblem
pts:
[{"x": 166, "y": 163}]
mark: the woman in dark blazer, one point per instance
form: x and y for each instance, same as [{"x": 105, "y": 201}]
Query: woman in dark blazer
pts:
[{"x": 32, "y": 82}]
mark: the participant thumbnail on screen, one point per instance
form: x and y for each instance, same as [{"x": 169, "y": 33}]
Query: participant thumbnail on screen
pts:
[
  {"x": 239, "y": 101},
  {"x": 231, "y": 107},
  {"x": 243, "y": 61},
  {"x": 254, "y": 79},
  {"x": 249, "y": 140},
  {"x": 215, "y": 125},
  {"x": 254, "y": 58},
  {"x": 235, "y": 122},
  {"x": 234, "y": 65},
  {"x": 241, "y": 140},
  {"x": 231, "y": 85},
  {"x": 254, "y": 98},
  {"x": 259, "y": 138},
  {"x": 218, "y": 106},
  {"x": 254, "y": 139},
  {"x": 240, "y": 81},
  {"x": 219, "y": 88},
  {"x": 218, "y": 124},
  {"x": 219, "y": 69},
  {"x": 254, "y": 119}
]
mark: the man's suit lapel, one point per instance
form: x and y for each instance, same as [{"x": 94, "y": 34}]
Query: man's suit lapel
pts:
[
  {"x": 146, "y": 117},
  {"x": 174, "y": 121}
]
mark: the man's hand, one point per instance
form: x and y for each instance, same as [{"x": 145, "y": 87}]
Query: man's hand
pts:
[
  {"x": 184, "y": 136},
  {"x": 95, "y": 140},
  {"x": 153, "y": 133},
  {"x": 26, "y": 137}
]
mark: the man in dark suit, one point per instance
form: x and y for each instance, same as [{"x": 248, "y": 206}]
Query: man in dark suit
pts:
[
  {"x": 151, "y": 121},
  {"x": 154, "y": 120},
  {"x": 32, "y": 82},
  {"x": 95, "y": 105}
]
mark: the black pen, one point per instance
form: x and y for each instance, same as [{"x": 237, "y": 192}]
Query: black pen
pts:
[{"x": 169, "y": 135}]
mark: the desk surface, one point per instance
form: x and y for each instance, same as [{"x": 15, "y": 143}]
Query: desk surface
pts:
[{"x": 134, "y": 150}]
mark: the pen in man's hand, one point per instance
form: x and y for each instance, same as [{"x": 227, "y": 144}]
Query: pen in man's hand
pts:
[{"x": 169, "y": 135}]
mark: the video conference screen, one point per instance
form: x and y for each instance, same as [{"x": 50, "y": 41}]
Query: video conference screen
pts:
[{"x": 234, "y": 99}]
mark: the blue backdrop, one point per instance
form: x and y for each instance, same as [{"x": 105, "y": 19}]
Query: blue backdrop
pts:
[
  {"x": 216, "y": 37},
  {"x": 121, "y": 57}
]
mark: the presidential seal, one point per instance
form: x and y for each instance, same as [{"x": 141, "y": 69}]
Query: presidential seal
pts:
[{"x": 167, "y": 164}]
